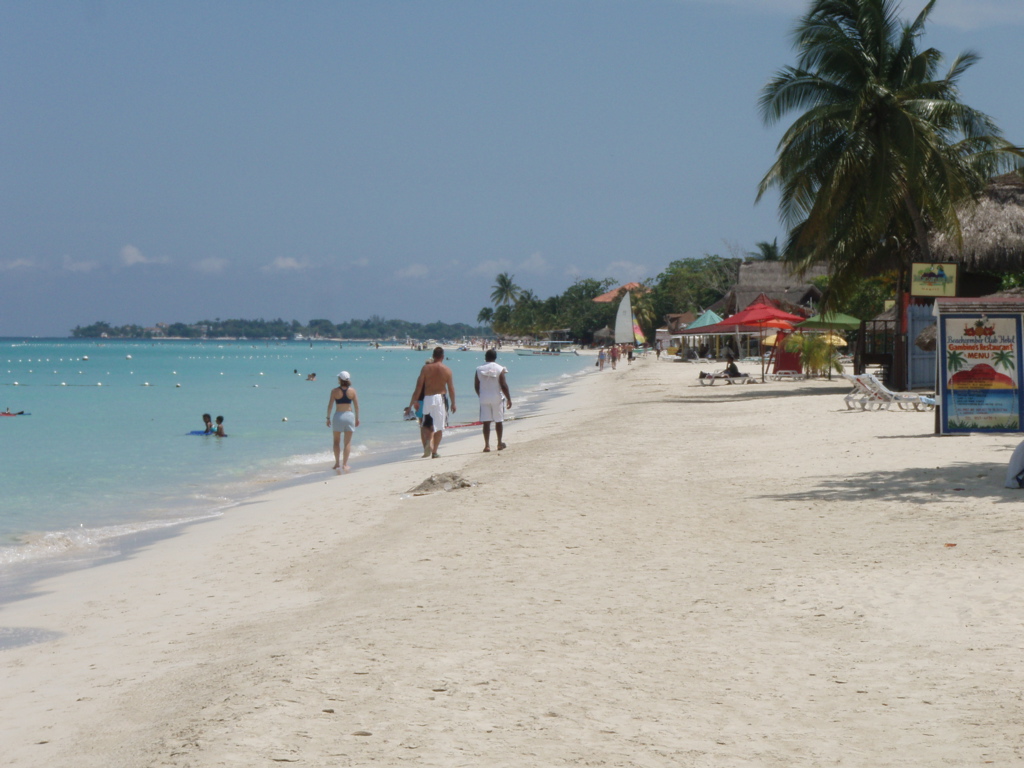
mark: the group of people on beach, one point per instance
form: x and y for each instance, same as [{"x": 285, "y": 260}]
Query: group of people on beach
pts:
[
  {"x": 613, "y": 354},
  {"x": 432, "y": 399}
]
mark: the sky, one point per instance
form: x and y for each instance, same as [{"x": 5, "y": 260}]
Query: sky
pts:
[{"x": 164, "y": 162}]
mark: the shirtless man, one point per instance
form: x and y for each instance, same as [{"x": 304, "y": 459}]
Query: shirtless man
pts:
[{"x": 435, "y": 378}]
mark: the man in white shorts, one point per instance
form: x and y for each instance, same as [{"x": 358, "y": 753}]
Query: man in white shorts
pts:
[
  {"x": 491, "y": 387},
  {"x": 434, "y": 381}
]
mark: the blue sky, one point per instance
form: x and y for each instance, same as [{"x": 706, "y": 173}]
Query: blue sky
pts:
[{"x": 191, "y": 160}]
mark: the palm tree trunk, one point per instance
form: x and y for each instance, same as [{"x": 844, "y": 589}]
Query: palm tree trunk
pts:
[{"x": 920, "y": 232}]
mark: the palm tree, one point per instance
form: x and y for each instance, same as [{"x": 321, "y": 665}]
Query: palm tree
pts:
[
  {"x": 817, "y": 355},
  {"x": 1003, "y": 358},
  {"x": 766, "y": 251},
  {"x": 485, "y": 316},
  {"x": 955, "y": 361},
  {"x": 884, "y": 151},
  {"x": 505, "y": 291}
]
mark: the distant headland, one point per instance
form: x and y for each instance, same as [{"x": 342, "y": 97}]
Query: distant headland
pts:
[{"x": 373, "y": 328}]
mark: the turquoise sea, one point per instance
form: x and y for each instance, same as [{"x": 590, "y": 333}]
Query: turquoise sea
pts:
[{"x": 105, "y": 451}]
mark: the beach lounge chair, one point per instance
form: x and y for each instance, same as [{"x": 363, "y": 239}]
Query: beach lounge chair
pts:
[
  {"x": 870, "y": 394},
  {"x": 906, "y": 401},
  {"x": 862, "y": 396},
  {"x": 708, "y": 379},
  {"x": 784, "y": 375}
]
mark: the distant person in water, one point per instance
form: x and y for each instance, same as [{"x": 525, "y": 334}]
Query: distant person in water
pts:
[
  {"x": 207, "y": 424},
  {"x": 220, "y": 427},
  {"x": 345, "y": 403},
  {"x": 434, "y": 380},
  {"x": 492, "y": 389},
  {"x": 311, "y": 377}
]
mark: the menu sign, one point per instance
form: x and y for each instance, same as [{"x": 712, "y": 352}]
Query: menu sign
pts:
[{"x": 979, "y": 365}]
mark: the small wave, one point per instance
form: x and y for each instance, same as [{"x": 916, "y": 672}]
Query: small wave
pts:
[{"x": 82, "y": 541}]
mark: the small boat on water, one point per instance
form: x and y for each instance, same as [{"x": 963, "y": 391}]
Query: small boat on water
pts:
[{"x": 549, "y": 348}]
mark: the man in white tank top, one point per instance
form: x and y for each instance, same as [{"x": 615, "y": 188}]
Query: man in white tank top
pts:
[{"x": 492, "y": 388}]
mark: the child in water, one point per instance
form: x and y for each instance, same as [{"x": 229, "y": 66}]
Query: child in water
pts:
[{"x": 220, "y": 427}]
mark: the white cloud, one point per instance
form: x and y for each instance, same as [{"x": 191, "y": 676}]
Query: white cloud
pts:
[
  {"x": 211, "y": 266},
  {"x": 15, "y": 264},
  {"x": 130, "y": 256},
  {"x": 490, "y": 268},
  {"x": 535, "y": 263},
  {"x": 71, "y": 265},
  {"x": 363, "y": 262},
  {"x": 285, "y": 264},
  {"x": 627, "y": 271},
  {"x": 412, "y": 272}
]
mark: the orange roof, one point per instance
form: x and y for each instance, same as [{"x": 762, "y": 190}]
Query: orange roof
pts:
[{"x": 612, "y": 295}]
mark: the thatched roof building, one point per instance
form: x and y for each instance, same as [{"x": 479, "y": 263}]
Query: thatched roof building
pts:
[
  {"x": 993, "y": 230},
  {"x": 776, "y": 281}
]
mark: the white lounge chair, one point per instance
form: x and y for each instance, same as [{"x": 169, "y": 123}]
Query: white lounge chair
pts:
[
  {"x": 862, "y": 396},
  {"x": 709, "y": 379},
  {"x": 870, "y": 394}
]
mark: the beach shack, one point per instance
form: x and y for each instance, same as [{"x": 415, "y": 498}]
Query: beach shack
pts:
[
  {"x": 979, "y": 361},
  {"x": 991, "y": 242}
]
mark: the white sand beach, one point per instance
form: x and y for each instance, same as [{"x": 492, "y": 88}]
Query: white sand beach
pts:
[{"x": 654, "y": 573}]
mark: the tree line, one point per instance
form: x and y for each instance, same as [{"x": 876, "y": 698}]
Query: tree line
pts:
[{"x": 373, "y": 328}]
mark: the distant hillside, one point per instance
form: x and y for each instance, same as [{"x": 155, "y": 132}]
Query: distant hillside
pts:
[{"x": 374, "y": 328}]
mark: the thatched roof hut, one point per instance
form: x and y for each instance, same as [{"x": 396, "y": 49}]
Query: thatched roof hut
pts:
[
  {"x": 776, "y": 281},
  {"x": 993, "y": 229}
]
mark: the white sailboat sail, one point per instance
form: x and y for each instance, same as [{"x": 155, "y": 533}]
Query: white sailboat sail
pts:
[{"x": 624, "y": 321}]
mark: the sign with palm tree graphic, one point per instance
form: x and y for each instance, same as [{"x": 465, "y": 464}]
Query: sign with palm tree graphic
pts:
[{"x": 980, "y": 357}]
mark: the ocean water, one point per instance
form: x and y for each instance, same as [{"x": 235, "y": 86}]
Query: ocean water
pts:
[{"x": 105, "y": 450}]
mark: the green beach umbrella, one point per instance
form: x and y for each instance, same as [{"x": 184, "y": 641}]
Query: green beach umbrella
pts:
[{"x": 831, "y": 320}]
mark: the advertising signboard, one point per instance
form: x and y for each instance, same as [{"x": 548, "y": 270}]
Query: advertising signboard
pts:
[
  {"x": 933, "y": 279},
  {"x": 979, "y": 367}
]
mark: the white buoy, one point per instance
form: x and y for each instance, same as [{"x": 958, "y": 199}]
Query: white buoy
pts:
[
  {"x": 127, "y": 357},
  {"x": 285, "y": 419},
  {"x": 63, "y": 383},
  {"x": 146, "y": 384},
  {"x": 178, "y": 385}
]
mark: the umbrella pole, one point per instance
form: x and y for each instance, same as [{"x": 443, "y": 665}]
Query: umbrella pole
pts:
[{"x": 760, "y": 350}]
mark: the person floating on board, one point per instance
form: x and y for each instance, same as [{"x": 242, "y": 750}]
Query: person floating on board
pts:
[
  {"x": 492, "y": 389},
  {"x": 208, "y": 424},
  {"x": 434, "y": 379}
]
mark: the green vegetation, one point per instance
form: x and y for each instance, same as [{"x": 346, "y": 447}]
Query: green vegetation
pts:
[
  {"x": 373, "y": 328},
  {"x": 692, "y": 285},
  {"x": 885, "y": 150},
  {"x": 817, "y": 356}
]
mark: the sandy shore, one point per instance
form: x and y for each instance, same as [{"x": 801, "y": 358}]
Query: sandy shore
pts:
[{"x": 653, "y": 574}]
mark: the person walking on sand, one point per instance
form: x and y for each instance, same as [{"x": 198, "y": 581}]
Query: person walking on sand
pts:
[
  {"x": 434, "y": 380},
  {"x": 492, "y": 389},
  {"x": 345, "y": 403}
]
